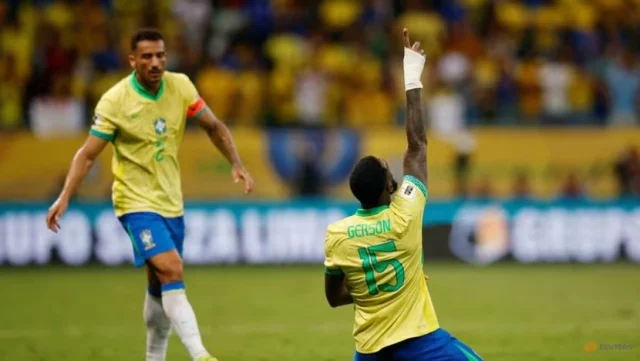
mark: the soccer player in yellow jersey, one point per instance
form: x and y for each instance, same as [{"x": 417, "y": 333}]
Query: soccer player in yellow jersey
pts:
[
  {"x": 144, "y": 117},
  {"x": 373, "y": 259}
]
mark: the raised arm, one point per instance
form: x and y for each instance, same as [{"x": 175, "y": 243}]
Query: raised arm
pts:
[{"x": 415, "y": 157}]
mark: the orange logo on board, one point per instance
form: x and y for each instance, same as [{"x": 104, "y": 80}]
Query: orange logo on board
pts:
[{"x": 590, "y": 347}]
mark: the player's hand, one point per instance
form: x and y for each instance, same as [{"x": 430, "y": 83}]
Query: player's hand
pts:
[
  {"x": 240, "y": 173},
  {"x": 55, "y": 213},
  {"x": 413, "y": 63},
  {"x": 407, "y": 43}
]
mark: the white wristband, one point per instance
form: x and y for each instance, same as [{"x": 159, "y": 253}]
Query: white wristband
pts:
[{"x": 413, "y": 65}]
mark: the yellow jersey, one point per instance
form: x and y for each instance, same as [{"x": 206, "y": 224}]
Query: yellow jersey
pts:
[
  {"x": 379, "y": 251},
  {"x": 146, "y": 131}
]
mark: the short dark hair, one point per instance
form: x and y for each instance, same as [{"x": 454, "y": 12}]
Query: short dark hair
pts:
[
  {"x": 145, "y": 34},
  {"x": 368, "y": 180}
]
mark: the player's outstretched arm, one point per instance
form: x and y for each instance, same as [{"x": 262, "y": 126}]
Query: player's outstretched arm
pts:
[
  {"x": 415, "y": 157},
  {"x": 336, "y": 291},
  {"x": 223, "y": 140},
  {"x": 80, "y": 166}
]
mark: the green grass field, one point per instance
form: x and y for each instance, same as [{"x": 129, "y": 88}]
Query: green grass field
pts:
[{"x": 505, "y": 312}]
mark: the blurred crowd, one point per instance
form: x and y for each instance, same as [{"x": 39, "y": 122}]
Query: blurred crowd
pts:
[
  {"x": 572, "y": 186},
  {"x": 332, "y": 62}
]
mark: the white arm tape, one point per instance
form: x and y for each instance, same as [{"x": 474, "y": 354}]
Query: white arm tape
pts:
[{"x": 413, "y": 65}]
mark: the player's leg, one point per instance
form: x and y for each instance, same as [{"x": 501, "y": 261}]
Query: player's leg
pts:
[
  {"x": 436, "y": 346},
  {"x": 138, "y": 225},
  {"x": 176, "y": 229},
  {"x": 452, "y": 349},
  {"x": 158, "y": 325},
  {"x": 168, "y": 266},
  {"x": 469, "y": 354},
  {"x": 153, "y": 243}
]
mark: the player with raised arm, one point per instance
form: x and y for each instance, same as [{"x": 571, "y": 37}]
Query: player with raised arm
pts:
[
  {"x": 144, "y": 117},
  {"x": 373, "y": 259}
]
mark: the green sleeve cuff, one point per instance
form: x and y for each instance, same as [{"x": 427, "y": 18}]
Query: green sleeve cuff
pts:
[
  {"x": 417, "y": 183},
  {"x": 101, "y": 135},
  {"x": 333, "y": 271}
]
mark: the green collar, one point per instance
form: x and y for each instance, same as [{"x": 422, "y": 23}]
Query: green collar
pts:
[
  {"x": 142, "y": 91},
  {"x": 371, "y": 211}
]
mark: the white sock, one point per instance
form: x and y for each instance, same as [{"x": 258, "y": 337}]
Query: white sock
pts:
[
  {"x": 183, "y": 319},
  {"x": 158, "y": 328}
]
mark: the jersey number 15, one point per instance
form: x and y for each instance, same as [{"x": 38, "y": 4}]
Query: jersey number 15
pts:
[{"x": 371, "y": 264}]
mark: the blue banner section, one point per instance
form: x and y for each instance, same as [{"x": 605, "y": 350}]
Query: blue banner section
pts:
[
  {"x": 336, "y": 152},
  {"x": 436, "y": 212},
  {"x": 479, "y": 232}
]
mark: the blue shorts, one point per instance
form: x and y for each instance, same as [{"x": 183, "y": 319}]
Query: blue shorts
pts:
[
  {"x": 438, "y": 345},
  {"x": 152, "y": 234}
]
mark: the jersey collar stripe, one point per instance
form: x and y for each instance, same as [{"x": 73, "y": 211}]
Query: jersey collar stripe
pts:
[
  {"x": 142, "y": 91},
  {"x": 371, "y": 211}
]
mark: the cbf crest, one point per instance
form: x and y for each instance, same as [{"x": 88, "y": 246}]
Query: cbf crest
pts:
[
  {"x": 160, "y": 126},
  {"x": 147, "y": 239}
]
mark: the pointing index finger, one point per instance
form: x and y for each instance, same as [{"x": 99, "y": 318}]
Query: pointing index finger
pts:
[{"x": 405, "y": 36}]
